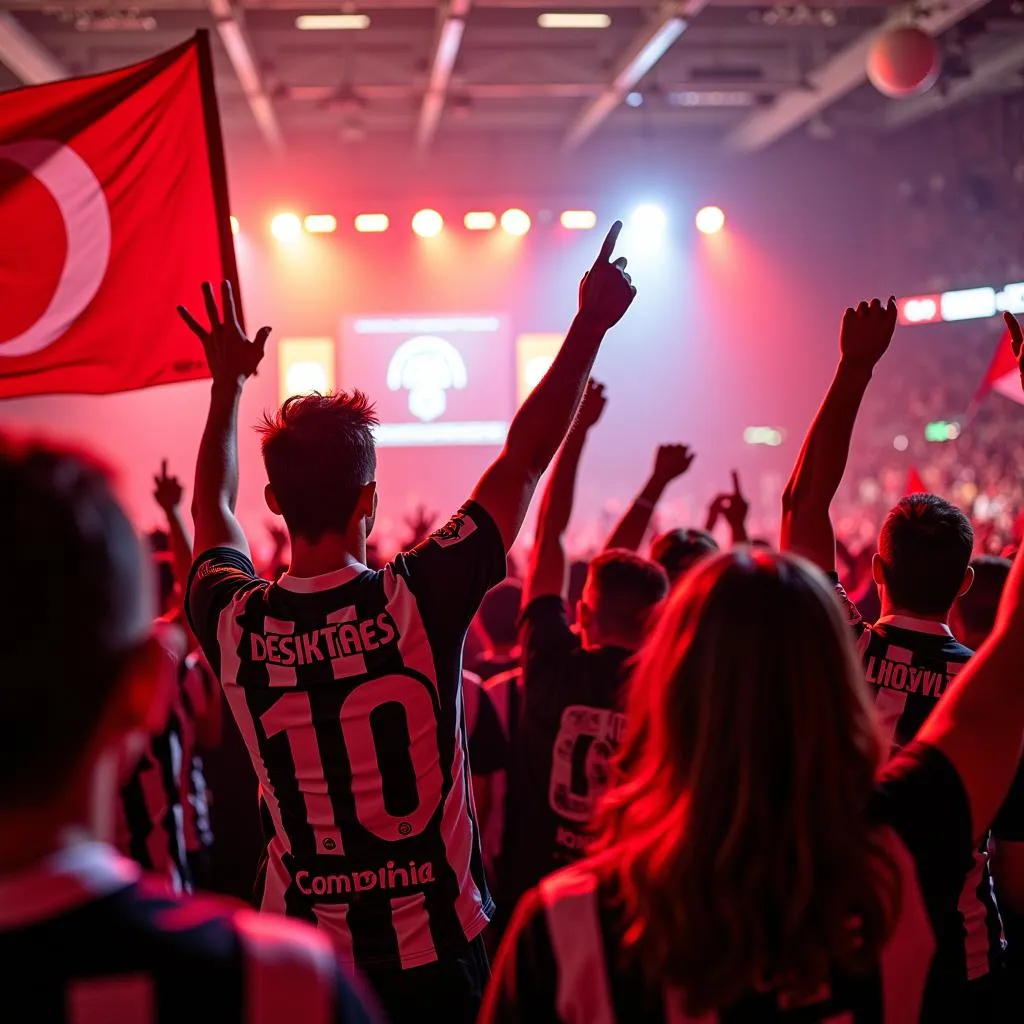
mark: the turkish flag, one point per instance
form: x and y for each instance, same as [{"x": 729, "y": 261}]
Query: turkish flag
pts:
[
  {"x": 113, "y": 209},
  {"x": 1004, "y": 376}
]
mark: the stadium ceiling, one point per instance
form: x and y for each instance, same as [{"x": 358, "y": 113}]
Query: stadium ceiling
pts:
[{"x": 741, "y": 74}]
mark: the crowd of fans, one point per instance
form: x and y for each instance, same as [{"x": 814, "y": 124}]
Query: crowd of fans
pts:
[{"x": 671, "y": 783}]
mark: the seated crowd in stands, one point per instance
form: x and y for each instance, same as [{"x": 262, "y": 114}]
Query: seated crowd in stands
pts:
[{"x": 673, "y": 783}]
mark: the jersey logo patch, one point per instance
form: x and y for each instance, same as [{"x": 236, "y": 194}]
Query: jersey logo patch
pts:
[{"x": 459, "y": 527}]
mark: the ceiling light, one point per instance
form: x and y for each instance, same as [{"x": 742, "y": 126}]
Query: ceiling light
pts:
[
  {"x": 286, "y": 227},
  {"x": 331, "y": 22},
  {"x": 427, "y": 223},
  {"x": 573, "y": 19},
  {"x": 480, "y": 220},
  {"x": 372, "y": 223},
  {"x": 578, "y": 220},
  {"x": 515, "y": 222},
  {"x": 321, "y": 224}
]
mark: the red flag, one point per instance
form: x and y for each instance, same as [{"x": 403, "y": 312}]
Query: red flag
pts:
[
  {"x": 915, "y": 485},
  {"x": 1003, "y": 375},
  {"x": 113, "y": 208}
]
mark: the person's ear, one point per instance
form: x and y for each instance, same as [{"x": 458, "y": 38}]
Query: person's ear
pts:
[
  {"x": 877, "y": 570},
  {"x": 366, "y": 506},
  {"x": 968, "y": 581},
  {"x": 271, "y": 499}
]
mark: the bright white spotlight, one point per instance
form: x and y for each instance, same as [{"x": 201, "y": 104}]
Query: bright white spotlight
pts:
[
  {"x": 578, "y": 220},
  {"x": 286, "y": 227},
  {"x": 372, "y": 223},
  {"x": 709, "y": 220},
  {"x": 427, "y": 223},
  {"x": 479, "y": 220},
  {"x": 515, "y": 222},
  {"x": 234, "y": 224},
  {"x": 573, "y": 19},
  {"x": 647, "y": 221},
  {"x": 321, "y": 224},
  {"x": 331, "y": 22}
]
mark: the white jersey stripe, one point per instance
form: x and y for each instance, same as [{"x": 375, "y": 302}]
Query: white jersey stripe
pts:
[
  {"x": 131, "y": 997},
  {"x": 332, "y": 919},
  {"x": 346, "y": 664},
  {"x": 583, "y": 992},
  {"x": 229, "y": 635},
  {"x": 457, "y": 836},
  {"x": 413, "y": 642},
  {"x": 280, "y": 675},
  {"x": 289, "y": 972},
  {"x": 904, "y": 969},
  {"x": 412, "y": 928}
]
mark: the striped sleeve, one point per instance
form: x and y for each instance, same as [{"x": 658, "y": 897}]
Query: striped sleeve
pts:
[
  {"x": 217, "y": 577},
  {"x": 291, "y": 974}
]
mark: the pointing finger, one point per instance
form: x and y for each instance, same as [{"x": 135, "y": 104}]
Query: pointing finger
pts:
[
  {"x": 1016, "y": 335},
  {"x": 227, "y": 301},
  {"x": 735, "y": 482},
  {"x": 211, "y": 305},
  {"x": 194, "y": 325},
  {"x": 163, "y": 469},
  {"x": 609, "y": 242}
]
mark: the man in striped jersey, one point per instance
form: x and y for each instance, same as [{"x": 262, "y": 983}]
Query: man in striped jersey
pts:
[
  {"x": 84, "y": 939},
  {"x": 346, "y": 683},
  {"x": 910, "y": 655}
]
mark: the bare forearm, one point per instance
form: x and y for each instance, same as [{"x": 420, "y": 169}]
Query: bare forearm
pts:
[
  {"x": 216, "y": 490},
  {"x": 630, "y": 530},
  {"x": 547, "y": 560},
  {"x": 181, "y": 545},
  {"x": 544, "y": 418},
  {"x": 822, "y": 462}
]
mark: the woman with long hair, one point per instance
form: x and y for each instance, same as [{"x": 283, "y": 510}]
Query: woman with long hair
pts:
[{"x": 753, "y": 862}]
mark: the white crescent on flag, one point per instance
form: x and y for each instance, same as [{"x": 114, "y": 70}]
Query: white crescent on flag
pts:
[{"x": 83, "y": 207}]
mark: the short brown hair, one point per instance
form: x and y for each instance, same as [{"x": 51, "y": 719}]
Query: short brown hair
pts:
[
  {"x": 319, "y": 453},
  {"x": 627, "y": 587}
]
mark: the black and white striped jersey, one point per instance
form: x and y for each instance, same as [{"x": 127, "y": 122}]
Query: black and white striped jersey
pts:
[
  {"x": 347, "y": 690},
  {"x": 85, "y": 938},
  {"x": 561, "y": 962}
]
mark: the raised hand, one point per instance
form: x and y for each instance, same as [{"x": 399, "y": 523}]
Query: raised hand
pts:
[
  {"x": 671, "y": 461},
  {"x": 167, "y": 489},
  {"x": 606, "y": 290},
  {"x": 1016, "y": 341},
  {"x": 866, "y": 332},
  {"x": 736, "y": 507},
  {"x": 592, "y": 406},
  {"x": 231, "y": 356}
]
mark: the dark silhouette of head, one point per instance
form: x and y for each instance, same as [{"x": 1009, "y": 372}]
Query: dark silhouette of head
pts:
[
  {"x": 499, "y": 614},
  {"x": 974, "y": 613},
  {"x": 621, "y": 592},
  {"x": 677, "y": 551},
  {"x": 321, "y": 461},
  {"x": 924, "y": 554}
]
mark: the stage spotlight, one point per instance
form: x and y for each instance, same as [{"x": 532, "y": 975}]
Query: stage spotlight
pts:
[
  {"x": 573, "y": 19},
  {"x": 321, "y": 224},
  {"x": 234, "y": 225},
  {"x": 480, "y": 220},
  {"x": 286, "y": 227},
  {"x": 709, "y": 220},
  {"x": 427, "y": 223},
  {"x": 515, "y": 222},
  {"x": 578, "y": 220},
  {"x": 372, "y": 223},
  {"x": 647, "y": 221},
  {"x": 331, "y": 22}
]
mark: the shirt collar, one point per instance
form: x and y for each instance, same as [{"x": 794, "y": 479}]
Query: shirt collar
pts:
[
  {"x": 915, "y": 625},
  {"x": 317, "y": 584},
  {"x": 75, "y": 875}
]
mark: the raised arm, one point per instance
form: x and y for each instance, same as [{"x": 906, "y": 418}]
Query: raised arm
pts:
[
  {"x": 168, "y": 492},
  {"x": 670, "y": 461},
  {"x": 806, "y": 526},
  {"x": 979, "y": 723},
  {"x": 734, "y": 507},
  {"x": 232, "y": 359},
  {"x": 546, "y": 573},
  {"x": 542, "y": 421}
]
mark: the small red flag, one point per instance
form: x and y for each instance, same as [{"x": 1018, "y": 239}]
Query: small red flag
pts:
[
  {"x": 113, "y": 199},
  {"x": 915, "y": 485},
  {"x": 1003, "y": 375}
]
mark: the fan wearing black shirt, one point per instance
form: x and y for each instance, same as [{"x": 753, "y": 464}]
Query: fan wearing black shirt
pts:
[
  {"x": 345, "y": 682},
  {"x": 570, "y": 720},
  {"x": 83, "y": 935},
  {"x": 910, "y": 655}
]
